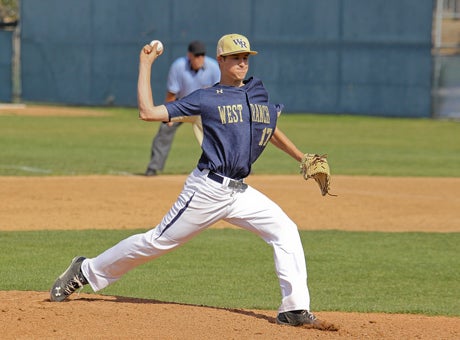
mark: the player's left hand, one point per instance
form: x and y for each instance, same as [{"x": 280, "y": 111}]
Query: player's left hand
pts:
[{"x": 317, "y": 167}]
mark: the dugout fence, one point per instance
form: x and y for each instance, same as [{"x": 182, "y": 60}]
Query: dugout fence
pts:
[{"x": 446, "y": 59}]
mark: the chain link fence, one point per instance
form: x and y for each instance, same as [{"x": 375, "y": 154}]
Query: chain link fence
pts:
[{"x": 446, "y": 59}]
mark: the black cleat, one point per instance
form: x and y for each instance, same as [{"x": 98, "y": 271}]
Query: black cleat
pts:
[
  {"x": 69, "y": 281},
  {"x": 304, "y": 318},
  {"x": 296, "y": 318}
]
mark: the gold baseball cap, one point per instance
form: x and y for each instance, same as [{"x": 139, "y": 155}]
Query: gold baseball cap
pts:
[{"x": 233, "y": 44}]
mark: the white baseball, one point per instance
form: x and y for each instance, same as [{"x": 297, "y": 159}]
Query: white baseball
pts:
[{"x": 159, "y": 45}]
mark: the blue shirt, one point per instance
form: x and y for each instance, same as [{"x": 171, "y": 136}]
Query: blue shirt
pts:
[
  {"x": 183, "y": 80},
  {"x": 238, "y": 123}
]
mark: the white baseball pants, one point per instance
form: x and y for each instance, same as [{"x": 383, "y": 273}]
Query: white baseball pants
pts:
[{"x": 201, "y": 203}]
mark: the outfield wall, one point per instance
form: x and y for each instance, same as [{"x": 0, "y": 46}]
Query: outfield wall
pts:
[
  {"x": 6, "y": 60},
  {"x": 328, "y": 56}
]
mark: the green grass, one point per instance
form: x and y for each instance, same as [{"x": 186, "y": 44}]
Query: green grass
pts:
[
  {"x": 348, "y": 271},
  {"x": 120, "y": 144}
]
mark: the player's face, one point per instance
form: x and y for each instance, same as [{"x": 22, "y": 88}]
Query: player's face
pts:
[{"x": 234, "y": 68}]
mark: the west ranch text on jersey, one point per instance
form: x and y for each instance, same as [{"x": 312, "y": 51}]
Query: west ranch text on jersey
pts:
[{"x": 234, "y": 113}]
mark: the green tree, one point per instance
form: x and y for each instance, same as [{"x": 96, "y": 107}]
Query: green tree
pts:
[{"x": 9, "y": 10}]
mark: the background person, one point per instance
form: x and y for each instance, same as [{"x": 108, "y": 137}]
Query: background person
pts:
[{"x": 186, "y": 74}]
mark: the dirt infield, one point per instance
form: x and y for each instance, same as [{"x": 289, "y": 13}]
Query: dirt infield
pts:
[
  {"x": 128, "y": 202},
  {"x": 29, "y": 315},
  {"x": 49, "y": 111},
  {"x": 364, "y": 203}
]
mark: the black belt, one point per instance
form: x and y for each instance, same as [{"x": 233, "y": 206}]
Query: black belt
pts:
[{"x": 232, "y": 183}]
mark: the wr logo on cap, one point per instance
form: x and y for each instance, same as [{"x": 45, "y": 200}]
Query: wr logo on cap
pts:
[{"x": 240, "y": 42}]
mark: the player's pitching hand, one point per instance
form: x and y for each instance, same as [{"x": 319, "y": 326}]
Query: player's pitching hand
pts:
[{"x": 149, "y": 53}]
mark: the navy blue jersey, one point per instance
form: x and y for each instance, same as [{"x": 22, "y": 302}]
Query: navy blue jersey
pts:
[{"x": 238, "y": 122}]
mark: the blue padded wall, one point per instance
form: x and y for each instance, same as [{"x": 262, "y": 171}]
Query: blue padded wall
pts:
[{"x": 328, "y": 56}]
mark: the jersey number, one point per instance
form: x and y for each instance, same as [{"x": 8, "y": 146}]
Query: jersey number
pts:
[{"x": 266, "y": 134}]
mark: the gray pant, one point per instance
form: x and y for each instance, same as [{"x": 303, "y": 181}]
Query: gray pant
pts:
[{"x": 161, "y": 145}]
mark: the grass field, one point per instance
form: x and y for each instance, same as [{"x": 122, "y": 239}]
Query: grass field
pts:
[
  {"x": 119, "y": 143},
  {"x": 349, "y": 271}
]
